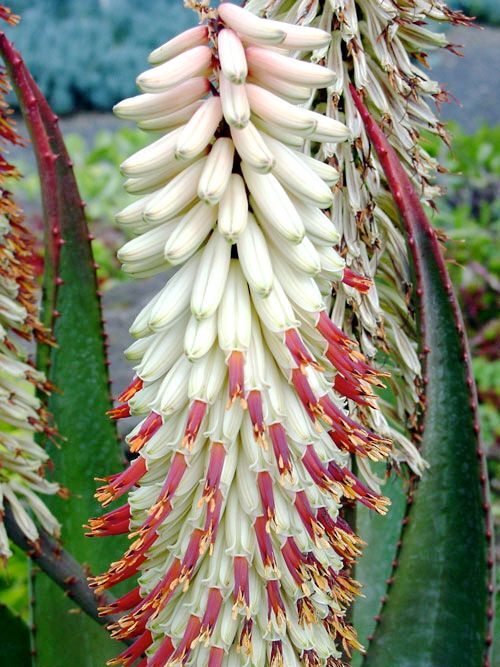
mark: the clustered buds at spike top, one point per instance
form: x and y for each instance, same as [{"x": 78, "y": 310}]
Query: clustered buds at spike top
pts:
[
  {"x": 380, "y": 48},
  {"x": 22, "y": 460},
  {"x": 242, "y": 379}
]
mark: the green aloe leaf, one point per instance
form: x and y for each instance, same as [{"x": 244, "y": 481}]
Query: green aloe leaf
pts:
[
  {"x": 15, "y": 645},
  {"x": 438, "y": 610},
  {"x": 78, "y": 368},
  {"x": 374, "y": 568}
]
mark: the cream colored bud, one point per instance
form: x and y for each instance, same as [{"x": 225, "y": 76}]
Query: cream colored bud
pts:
[
  {"x": 195, "y": 62},
  {"x": 194, "y": 137},
  {"x": 215, "y": 176},
  {"x": 186, "y": 40},
  {"x": 232, "y": 57}
]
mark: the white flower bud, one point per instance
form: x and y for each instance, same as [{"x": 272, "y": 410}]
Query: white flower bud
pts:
[
  {"x": 207, "y": 376},
  {"x": 183, "y": 42},
  {"x": 254, "y": 257},
  {"x": 148, "y": 244},
  {"x": 299, "y": 288},
  {"x": 233, "y": 209},
  {"x": 319, "y": 227},
  {"x": 169, "y": 121},
  {"x": 274, "y": 109},
  {"x": 275, "y": 309},
  {"x": 289, "y": 91},
  {"x": 186, "y": 65},
  {"x": 217, "y": 171},
  {"x": 234, "y": 315},
  {"x": 249, "y": 25},
  {"x": 211, "y": 277},
  {"x": 232, "y": 57},
  {"x": 156, "y": 156},
  {"x": 302, "y": 256},
  {"x": 296, "y": 71},
  {"x": 199, "y": 337},
  {"x": 297, "y": 177},
  {"x": 325, "y": 171},
  {"x": 234, "y": 100},
  {"x": 273, "y": 203},
  {"x": 304, "y": 37},
  {"x": 190, "y": 232},
  {"x": 173, "y": 299},
  {"x": 152, "y": 105},
  {"x": 172, "y": 395},
  {"x": 195, "y": 136},
  {"x": 176, "y": 195},
  {"x": 286, "y": 137},
  {"x": 162, "y": 353},
  {"x": 252, "y": 148},
  {"x": 149, "y": 183}
]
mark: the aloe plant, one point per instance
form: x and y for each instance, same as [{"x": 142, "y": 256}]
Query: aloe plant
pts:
[
  {"x": 256, "y": 368},
  {"x": 16, "y": 651},
  {"x": 77, "y": 367}
]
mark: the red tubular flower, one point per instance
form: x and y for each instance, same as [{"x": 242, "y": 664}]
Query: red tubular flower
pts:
[
  {"x": 360, "y": 283},
  {"x": 241, "y": 591}
]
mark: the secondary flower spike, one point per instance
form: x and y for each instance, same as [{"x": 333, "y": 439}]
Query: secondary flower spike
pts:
[
  {"x": 238, "y": 552},
  {"x": 381, "y": 49},
  {"x": 22, "y": 460}
]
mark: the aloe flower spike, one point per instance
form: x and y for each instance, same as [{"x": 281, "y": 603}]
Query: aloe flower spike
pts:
[{"x": 244, "y": 384}]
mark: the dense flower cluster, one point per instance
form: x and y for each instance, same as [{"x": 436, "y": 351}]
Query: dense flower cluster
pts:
[
  {"x": 242, "y": 378},
  {"x": 381, "y": 48},
  {"x": 22, "y": 460}
]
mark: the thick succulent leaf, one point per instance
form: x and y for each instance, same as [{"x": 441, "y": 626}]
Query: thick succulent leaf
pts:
[
  {"x": 438, "y": 610},
  {"x": 78, "y": 368},
  {"x": 496, "y": 635},
  {"x": 15, "y": 645},
  {"x": 374, "y": 569}
]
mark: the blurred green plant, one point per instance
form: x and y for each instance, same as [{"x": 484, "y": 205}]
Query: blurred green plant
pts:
[
  {"x": 101, "y": 186},
  {"x": 14, "y": 583},
  {"x": 485, "y": 11},
  {"x": 469, "y": 214},
  {"x": 487, "y": 374},
  {"x": 125, "y": 33},
  {"x": 96, "y": 167},
  {"x": 123, "y": 30}
]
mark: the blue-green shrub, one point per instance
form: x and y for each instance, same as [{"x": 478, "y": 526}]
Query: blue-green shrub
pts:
[
  {"x": 86, "y": 54},
  {"x": 486, "y": 11}
]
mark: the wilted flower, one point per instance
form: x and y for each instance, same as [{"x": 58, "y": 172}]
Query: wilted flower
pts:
[
  {"x": 233, "y": 500},
  {"x": 381, "y": 48},
  {"x": 22, "y": 460}
]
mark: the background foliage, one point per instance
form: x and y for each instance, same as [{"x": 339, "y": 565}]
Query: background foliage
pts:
[
  {"x": 483, "y": 10},
  {"x": 97, "y": 47},
  {"x": 470, "y": 216},
  {"x": 78, "y": 75}
]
